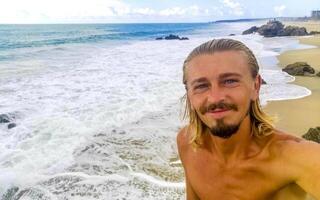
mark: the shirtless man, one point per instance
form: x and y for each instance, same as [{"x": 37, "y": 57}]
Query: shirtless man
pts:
[{"x": 229, "y": 149}]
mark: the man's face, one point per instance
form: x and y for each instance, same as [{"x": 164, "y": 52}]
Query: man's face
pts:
[{"x": 220, "y": 88}]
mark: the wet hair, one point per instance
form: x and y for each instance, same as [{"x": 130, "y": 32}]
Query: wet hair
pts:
[{"x": 261, "y": 123}]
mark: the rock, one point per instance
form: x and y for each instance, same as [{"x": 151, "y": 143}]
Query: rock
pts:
[
  {"x": 293, "y": 31},
  {"x": 11, "y": 125},
  {"x": 299, "y": 69},
  {"x": 253, "y": 29},
  {"x": 172, "y": 37},
  {"x": 4, "y": 118},
  {"x": 275, "y": 28},
  {"x": 232, "y": 34},
  {"x": 184, "y": 38},
  {"x": 271, "y": 29},
  {"x": 313, "y": 134},
  {"x": 318, "y": 74},
  {"x": 314, "y": 32}
]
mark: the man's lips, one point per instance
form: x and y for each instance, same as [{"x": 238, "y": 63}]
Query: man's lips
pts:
[
  {"x": 218, "y": 113},
  {"x": 218, "y": 110}
]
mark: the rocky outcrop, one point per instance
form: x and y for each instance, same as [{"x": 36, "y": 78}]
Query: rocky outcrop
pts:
[
  {"x": 299, "y": 69},
  {"x": 271, "y": 29},
  {"x": 172, "y": 37},
  {"x": 314, "y": 32},
  {"x": 12, "y": 125},
  {"x": 276, "y": 28},
  {"x": 251, "y": 30},
  {"x": 313, "y": 134},
  {"x": 293, "y": 31},
  {"x": 7, "y": 118}
]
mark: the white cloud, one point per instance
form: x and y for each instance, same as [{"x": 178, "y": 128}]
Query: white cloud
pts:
[
  {"x": 279, "y": 10},
  {"x": 144, "y": 11},
  {"x": 33, "y": 10},
  {"x": 217, "y": 11},
  {"x": 193, "y": 10},
  {"x": 172, "y": 11},
  {"x": 47, "y": 11},
  {"x": 235, "y": 7}
]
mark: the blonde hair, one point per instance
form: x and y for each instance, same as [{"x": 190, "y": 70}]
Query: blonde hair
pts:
[{"x": 261, "y": 123}]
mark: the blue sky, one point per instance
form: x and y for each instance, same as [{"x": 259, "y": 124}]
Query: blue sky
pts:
[{"x": 131, "y": 11}]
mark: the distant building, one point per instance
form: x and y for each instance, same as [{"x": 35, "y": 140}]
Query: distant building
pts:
[{"x": 315, "y": 14}]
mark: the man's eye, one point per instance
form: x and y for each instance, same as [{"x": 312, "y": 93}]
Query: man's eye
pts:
[
  {"x": 201, "y": 86},
  {"x": 230, "y": 81}
]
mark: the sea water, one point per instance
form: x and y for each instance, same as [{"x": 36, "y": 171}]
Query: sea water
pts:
[{"x": 97, "y": 106}]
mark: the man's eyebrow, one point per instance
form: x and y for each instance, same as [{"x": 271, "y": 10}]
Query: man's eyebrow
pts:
[
  {"x": 199, "y": 80},
  {"x": 227, "y": 75},
  {"x": 222, "y": 76}
]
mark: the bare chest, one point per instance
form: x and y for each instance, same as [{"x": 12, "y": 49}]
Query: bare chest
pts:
[{"x": 256, "y": 179}]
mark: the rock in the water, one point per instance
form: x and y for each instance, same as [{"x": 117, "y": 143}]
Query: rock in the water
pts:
[
  {"x": 253, "y": 29},
  {"x": 11, "y": 125},
  {"x": 271, "y": 29},
  {"x": 314, "y": 32},
  {"x": 313, "y": 134},
  {"x": 4, "y": 118},
  {"x": 293, "y": 31},
  {"x": 275, "y": 28},
  {"x": 299, "y": 69},
  {"x": 232, "y": 34},
  {"x": 172, "y": 37},
  {"x": 184, "y": 38}
]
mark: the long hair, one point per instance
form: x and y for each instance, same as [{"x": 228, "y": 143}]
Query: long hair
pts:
[{"x": 261, "y": 123}]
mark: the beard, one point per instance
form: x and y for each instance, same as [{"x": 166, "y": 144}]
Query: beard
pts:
[{"x": 222, "y": 129}]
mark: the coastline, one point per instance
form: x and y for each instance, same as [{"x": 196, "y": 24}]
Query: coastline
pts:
[{"x": 298, "y": 115}]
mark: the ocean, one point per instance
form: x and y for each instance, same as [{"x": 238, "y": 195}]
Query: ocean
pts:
[{"x": 97, "y": 107}]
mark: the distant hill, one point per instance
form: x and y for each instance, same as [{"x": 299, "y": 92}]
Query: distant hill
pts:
[
  {"x": 240, "y": 20},
  {"x": 259, "y": 19}
]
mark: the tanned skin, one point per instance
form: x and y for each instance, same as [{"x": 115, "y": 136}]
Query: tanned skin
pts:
[{"x": 243, "y": 166}]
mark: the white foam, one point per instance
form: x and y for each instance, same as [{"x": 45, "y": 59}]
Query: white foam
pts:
[{"x": 159, "y": 183}]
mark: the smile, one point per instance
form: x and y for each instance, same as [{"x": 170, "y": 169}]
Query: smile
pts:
[{"x": 218, "y": 113}]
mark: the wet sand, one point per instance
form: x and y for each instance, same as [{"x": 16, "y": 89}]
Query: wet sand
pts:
[{"x": 297, "y": 116}]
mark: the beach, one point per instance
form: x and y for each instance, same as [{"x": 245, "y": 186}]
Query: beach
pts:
[
  {"x": 298, "y": 115},
  {"x": 97, "y": 107}
]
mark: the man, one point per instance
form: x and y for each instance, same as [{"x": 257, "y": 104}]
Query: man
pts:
[{"x": 230, "y": 150}]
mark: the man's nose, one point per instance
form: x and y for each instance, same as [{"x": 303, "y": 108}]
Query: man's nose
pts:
[{"x": 216, "y": 94}]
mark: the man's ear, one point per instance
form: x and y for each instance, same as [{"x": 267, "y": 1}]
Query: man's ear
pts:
[{"x": 257, "y": 86}]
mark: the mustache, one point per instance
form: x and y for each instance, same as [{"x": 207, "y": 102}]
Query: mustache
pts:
[{"x": 220, "y": 105}]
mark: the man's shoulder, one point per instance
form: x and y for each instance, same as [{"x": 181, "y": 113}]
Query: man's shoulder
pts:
[
  {"x": 184, "y": 142},
  {"x": 183, "y": 138},
  {"x": 290, "y": 147}
]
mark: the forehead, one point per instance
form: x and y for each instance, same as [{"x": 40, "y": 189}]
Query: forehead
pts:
[{"x": 218, "y": 63}]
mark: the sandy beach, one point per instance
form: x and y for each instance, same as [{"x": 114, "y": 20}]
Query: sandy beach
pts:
[{"x": 298, "y": 115}]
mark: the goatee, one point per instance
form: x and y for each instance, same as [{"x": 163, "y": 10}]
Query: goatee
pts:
[{"x": 222, "y": 130}]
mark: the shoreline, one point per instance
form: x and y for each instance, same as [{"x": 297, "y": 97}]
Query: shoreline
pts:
[{"x": 296, "y": 116}]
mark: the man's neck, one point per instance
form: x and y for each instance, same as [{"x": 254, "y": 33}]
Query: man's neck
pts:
[{"x": 239, "y": 146}]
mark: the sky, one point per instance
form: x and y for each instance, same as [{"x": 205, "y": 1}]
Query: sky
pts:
[{"x": 147, "y": 11}]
